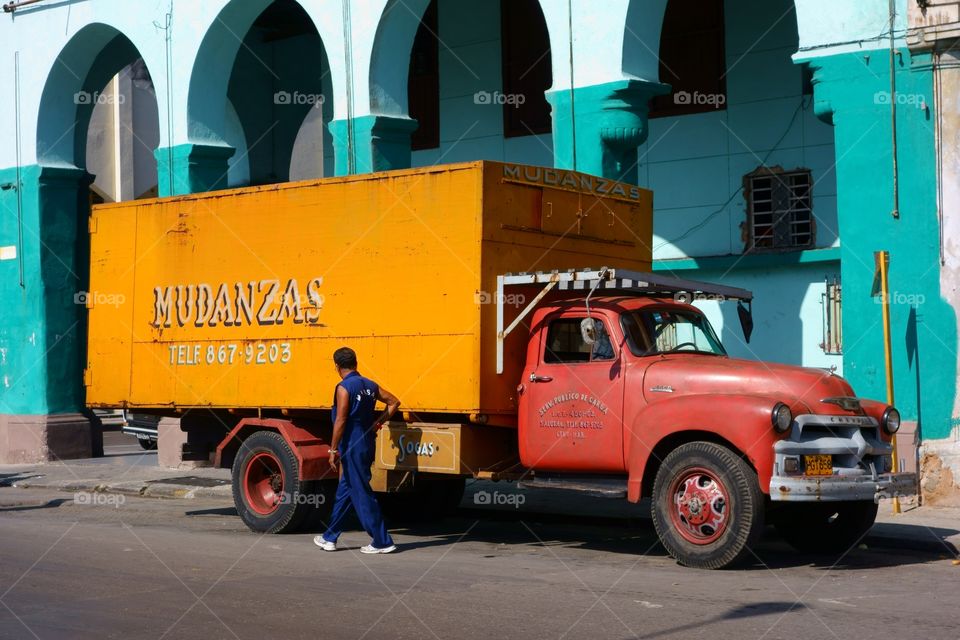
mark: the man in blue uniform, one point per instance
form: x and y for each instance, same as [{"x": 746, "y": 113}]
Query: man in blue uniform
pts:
[{"x": 355, "y": 427}]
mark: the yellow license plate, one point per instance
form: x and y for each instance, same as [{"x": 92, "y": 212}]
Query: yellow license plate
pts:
[{"x": 818, "y": 465}]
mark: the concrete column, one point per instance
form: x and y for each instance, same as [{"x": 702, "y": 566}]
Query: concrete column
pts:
[
  {"x": 192, "y": 168},
  {"x": 188, "y": 442},
  {"x": 43, "y": 321},
  {"x": 601, "y": 127},
  {"x": 380, "y": 143},
  {"x": 852, "y": 91}
]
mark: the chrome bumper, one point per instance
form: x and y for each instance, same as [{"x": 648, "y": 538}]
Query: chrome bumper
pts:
[{"x": 845, "y": 487}]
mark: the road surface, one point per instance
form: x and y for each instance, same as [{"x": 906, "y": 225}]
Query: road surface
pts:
[{"x": 147, "y": 568}]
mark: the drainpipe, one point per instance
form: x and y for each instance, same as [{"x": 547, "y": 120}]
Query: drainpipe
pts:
[
  {"x": 117, "y": 142},
  {"x": 573, "y": 112},
  {"x": 19, "y": 186},
  {"x": 893, "y": 114},
  {"x": 348, "y": 63}
]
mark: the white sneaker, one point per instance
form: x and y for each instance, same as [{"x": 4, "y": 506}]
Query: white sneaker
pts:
[
  {"x": 372, "y": 549},
  {"x": 324, "y": 544}
]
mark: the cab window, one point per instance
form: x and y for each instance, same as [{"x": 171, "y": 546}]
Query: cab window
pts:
[
  {"x": 565, "y": 343},
  {"x": 653, "y": 331}
]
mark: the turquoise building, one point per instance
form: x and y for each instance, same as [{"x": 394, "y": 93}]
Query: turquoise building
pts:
[{"x": 785, "y": 141}]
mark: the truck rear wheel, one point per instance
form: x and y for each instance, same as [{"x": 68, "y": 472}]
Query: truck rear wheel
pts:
[
  {"x": 707, "y": 506},
  {"x": 267, "y": 490},
  {"x": 824, "y": 527}
]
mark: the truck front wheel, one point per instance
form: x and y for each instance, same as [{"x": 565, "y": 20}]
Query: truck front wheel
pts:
[
  {"x": 824, "y": 527},
  {"x": 267, "y": 490},
  {"x": 707, "y": 506}
]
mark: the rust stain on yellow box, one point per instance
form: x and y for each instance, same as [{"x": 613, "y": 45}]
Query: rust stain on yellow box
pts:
[{"x": 237, "y": 299}]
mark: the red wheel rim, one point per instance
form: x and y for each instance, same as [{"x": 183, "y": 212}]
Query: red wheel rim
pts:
[
  {"x": 263, "y": 483},
  {"x": 700, "y": 505}
]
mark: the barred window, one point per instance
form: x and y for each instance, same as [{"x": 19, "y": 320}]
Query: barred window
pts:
[{"x": 779, "y": 209}]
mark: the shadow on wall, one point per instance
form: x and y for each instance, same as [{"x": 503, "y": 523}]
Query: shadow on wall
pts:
[{"x": 777, "y": 328}]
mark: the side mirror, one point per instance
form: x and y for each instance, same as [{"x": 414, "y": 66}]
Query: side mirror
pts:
[
  {"x": 746, "y": 319},
  {"x": 588, "y": 331}
]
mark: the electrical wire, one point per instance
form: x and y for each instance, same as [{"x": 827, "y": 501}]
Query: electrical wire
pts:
[{"x": 723, "y": 207}]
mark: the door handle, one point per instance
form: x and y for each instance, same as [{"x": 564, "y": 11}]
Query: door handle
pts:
[{"x": 535, "y": 378}]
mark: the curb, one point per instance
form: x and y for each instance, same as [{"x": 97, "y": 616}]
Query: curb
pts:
[{"x": 139, "y": 488}]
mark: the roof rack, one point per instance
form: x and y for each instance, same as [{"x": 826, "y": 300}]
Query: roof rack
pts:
[{"x": 624, "y": 281}]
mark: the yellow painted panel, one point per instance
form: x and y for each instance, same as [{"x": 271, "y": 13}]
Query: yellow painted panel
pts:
[
  {"x": 111, "y": 300},
  {"x": 238, "y": 298}
]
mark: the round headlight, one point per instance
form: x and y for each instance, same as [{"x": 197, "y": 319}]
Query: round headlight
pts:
[
  {"x": 781, "y": 417},
  {"x": 890, "y": 420}
]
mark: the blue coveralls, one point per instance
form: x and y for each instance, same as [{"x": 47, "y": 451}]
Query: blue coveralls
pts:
[{"x": 357, "y": 448}]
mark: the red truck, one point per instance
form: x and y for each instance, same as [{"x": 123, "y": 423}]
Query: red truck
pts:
[
  {"x": 605, "y": 381},
  {"x": 720, "y": 445}
]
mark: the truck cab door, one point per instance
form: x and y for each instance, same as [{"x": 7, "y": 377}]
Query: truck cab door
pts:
[{"x": 571, "y": 402}]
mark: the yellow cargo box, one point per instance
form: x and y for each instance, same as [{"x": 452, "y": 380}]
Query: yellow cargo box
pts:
[{"x": 237, "y": 299}]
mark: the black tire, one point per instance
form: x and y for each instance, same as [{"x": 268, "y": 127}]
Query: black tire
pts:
[
  {"x": 824, "y": 527},
  {"x": 431, "y": 499},
  {"x": 707, "y": 506},
  {"x": 281, "y": 507},
  {"x": 148, "y": 444}
]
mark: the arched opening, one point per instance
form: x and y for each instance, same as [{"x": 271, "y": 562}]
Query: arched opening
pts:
[
  {"x": 122, "y": 136},
  {"x": 476, "y": 76},
  {"x": 97, "y": 131},
  {"x": 261, "y": 85}
]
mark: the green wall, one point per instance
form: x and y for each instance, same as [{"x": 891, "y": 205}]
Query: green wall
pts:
[{"x": 852, "y": 91}]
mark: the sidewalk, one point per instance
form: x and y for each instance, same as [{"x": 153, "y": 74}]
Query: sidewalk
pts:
[
  {"x": 129, "y": 479},
  {"x": 928, "y": 529}
]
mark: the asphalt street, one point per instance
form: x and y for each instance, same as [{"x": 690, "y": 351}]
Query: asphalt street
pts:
[{"x": 111, "y": 566}]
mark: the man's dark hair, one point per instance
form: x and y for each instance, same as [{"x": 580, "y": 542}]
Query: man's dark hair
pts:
[{"x": 345, "y": 358}]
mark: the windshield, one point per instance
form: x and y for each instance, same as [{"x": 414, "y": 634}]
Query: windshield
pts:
[{"x": 651, "y": 331}]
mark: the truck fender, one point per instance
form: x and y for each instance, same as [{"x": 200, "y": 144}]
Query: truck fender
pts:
[
  {"x": 309, "y": 440},
  {"x": 739, "y": 421}
]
